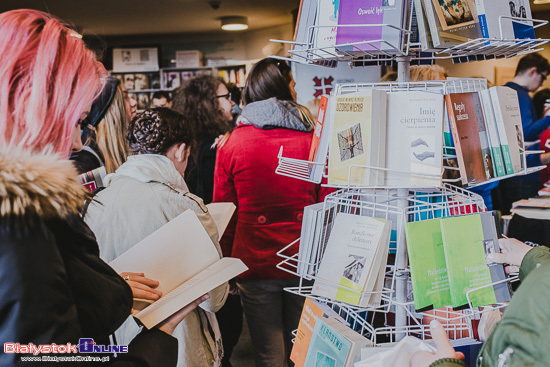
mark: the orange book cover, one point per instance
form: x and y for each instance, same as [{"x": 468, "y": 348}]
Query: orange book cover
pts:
[
  {"x": 310, "y": 313},
  {"x": 463, "y": 119},
  {"x": 319, "y": 123}
]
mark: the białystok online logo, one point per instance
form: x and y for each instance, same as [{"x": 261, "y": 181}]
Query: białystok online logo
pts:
[{"x": 85, "y": 345}]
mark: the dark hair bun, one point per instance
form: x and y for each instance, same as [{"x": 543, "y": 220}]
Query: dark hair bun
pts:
[{"x": 156, "y": 130}]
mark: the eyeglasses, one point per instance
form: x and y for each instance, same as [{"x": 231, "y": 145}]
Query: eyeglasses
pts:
[
  {"x": 228, "y": 96},
  {"x": 543, "y": 77}
]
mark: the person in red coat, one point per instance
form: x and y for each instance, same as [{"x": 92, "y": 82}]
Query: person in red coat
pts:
[{"x": 269, "y": 206}]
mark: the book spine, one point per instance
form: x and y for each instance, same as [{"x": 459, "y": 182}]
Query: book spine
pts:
[
  {"x": 480, "y": 7},
  {"x": 494, "y": 140},
  {"x": 501, "y": 129},
  {"x": 456, "y": 138},
  {"x": 432, "y": 21}
]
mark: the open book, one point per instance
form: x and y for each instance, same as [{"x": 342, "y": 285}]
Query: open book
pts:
[
  {"x": 182, "y": 257},
  {"x": 221, "y": 214}
]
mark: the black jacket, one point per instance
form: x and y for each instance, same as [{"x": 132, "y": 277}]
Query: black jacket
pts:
[{"x": 54, "y": 288}]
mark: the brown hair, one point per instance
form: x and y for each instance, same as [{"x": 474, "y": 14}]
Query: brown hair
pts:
[
  {"x": 197, "y": 101},
  {"x": 532, "y": 60},
  {"x": 420, "y": 73},
  {"x": 268, "y": 78},
  {"x": 156, "y": 130}
]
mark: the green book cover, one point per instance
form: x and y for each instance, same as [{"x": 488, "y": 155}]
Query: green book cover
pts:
[
  {"x": 429, "y": 277},
  {"x": 463, "y": 242}
]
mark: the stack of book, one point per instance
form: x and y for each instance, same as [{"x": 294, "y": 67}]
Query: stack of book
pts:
[
  {"x": 448, "y": 258},
  {"x": 396, "y": 139},
  {"x": 352, "y": 27},
  {"x": 353, "y": 265},
  {"x": 323, "y": 338},
  {"x": 535, "y": 208}
]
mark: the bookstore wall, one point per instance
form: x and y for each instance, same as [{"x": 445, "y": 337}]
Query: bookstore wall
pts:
[{"x": 403, "y": 241}]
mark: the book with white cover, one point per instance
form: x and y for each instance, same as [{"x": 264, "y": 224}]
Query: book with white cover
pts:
[
  {"x": 492, "y": 133},
  {"x": 312, "y": 226},
  {"x": 509, "y": 127},
  {"x": 414, "y": 139},
  {"x": 494, "y": 22},
  {"x": 326, "y": 23},
  {"x": 221, "y": 214},
  {"x": 306, "y": 19},
  {"x": 354, "y": 254},
  {"x": 423, "y": 27},
  {"x": 358, "y": 139},
  {"x": 183, "y": 259}
]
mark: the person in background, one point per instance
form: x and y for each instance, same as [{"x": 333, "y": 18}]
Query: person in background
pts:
[
  {"x": 206, "y": 102},
  {"x": 531, "y": 72},
  {"x": 161, "y": 99},
  {"x": 236, "y": 98},
  {"x": 104, "y": 129},
  {"x": 542, "y": 107},
  {"x": 519, "y": 338},
  {"x": 54, "y": 288},
  {"x": 269, "y": 206},
  {"x": 144, "y": 193}
]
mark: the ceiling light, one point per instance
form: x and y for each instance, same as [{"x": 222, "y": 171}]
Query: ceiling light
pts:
[
  {"x": 541, "y": 2},
  {"x": 234, "y": 23}
]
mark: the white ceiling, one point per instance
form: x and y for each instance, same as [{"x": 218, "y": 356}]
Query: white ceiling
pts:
[{"x": 131, "y": 17}]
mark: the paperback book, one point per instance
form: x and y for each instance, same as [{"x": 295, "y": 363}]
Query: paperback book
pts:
[
  {"x": 377, "y": 16},
  {"x": 510, "y": 130},
  {"x": 182, "y": 257},
  {"x": 312, "y": 311},
  {"x": 326, "y": 23},
  {"x": 452, "y": 22},
  {"x": 467, "y": 241},
  {"x": 321, "y": 139},
  {"x": 492, "y": 133},
  {"x": 470, "y": 137},
  {"x": 334, "y": 344},
  {"x": 358, "y": 139},
  {"x": 414, "y": 139},
  {"x": 354, "y": 259},
  {"x": 494, "y": 19},
  {"x": 430, "y": 282}
]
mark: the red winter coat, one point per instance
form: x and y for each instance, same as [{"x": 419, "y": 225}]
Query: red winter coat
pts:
[{"x": 269, "y": 206}]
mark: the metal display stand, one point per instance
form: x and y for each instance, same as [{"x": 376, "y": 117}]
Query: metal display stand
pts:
[{"x": 398, "y": 204}]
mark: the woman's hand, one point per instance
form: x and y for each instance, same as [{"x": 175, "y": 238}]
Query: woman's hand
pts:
[
  {"x": 142, "y": 287},
  {"x": 512, "y": 253},
  {"x": 444, "y": 348},
  {"x": 170, "y": 323}
]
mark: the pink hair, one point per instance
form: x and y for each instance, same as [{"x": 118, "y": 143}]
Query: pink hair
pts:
[{"x": 48, "y": 79}]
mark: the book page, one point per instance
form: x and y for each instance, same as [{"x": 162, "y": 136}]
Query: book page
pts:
[
  {"x": 172, "y": 254},
  {"x": 213, "y": 276},
  {"x": 221, "y": 214}
]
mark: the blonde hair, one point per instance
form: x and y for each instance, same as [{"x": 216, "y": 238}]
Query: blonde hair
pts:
[
  {"x": 110, "y": 134},
  {"x": 306, "y": 116},
  {"x": 420, "y": 73}
]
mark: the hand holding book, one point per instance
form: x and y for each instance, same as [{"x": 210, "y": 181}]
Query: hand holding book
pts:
[{"x": 512, "y": 253}]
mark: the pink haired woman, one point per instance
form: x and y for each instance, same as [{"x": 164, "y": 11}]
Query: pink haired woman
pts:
[{"x": 53, "y": 286}]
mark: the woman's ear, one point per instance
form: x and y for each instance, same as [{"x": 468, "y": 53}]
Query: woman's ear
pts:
[{"x": 181, "y": 152}]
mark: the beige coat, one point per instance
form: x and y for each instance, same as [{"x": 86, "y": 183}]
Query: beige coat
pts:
[{"x": 144, "y": 194}]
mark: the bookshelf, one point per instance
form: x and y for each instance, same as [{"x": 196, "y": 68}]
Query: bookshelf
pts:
[
  {"x": 142, "y": 85},
  {"x": 398, "y": 204}
]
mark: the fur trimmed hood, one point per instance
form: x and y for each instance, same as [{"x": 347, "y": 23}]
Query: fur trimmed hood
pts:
[{"x": 38, "y": 184}]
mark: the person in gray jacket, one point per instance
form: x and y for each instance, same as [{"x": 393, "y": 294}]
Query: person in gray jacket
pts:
[{"x": 144, "y": 193}]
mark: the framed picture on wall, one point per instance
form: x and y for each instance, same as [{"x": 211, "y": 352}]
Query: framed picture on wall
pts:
[{"x": 503, "y": 74}]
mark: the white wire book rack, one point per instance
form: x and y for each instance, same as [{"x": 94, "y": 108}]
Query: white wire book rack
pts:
[
  {"x": 367, "y": 52},
  {"x": 396, "y": 293},
  {"x": 303, "y": 170}
]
